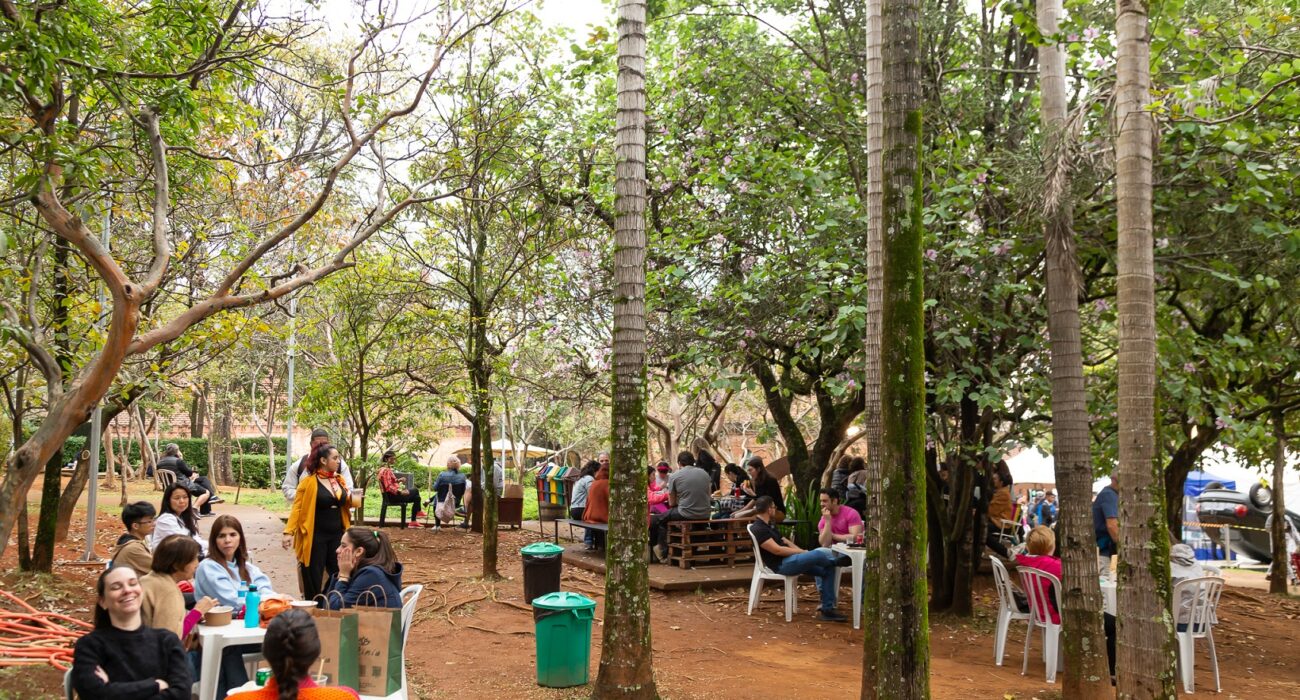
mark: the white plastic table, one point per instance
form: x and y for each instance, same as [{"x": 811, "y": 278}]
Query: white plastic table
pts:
[
  {"x": 214, "y": 640},
  {"x": 1108, "y": 597},
  {"x": 859, "y": 557}
]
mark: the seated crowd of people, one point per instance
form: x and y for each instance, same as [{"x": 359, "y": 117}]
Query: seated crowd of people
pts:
[
  {"x": 164, "y": 577},
  {"x": 694, "y": 490}
]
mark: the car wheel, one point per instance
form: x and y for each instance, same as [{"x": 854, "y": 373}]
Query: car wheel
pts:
[{"x": 1261, "y": 497}]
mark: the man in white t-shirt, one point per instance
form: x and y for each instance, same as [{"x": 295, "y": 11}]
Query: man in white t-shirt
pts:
[{"x": 319, "y": 437}]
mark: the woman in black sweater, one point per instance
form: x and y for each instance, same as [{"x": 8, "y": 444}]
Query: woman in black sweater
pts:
[{"x": 121, "y": 659}]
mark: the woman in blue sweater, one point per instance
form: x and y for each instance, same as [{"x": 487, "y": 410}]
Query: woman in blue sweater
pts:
[
  {"x": 227, "y": 566},
  {"x": 369, "y": 573}
]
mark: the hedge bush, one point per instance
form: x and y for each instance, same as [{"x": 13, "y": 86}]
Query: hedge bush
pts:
[
  {"x": 195, "y": 450},
  {"x": 255, "y": 470}
]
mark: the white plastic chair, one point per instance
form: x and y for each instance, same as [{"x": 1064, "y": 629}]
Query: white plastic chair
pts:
[
  {"x": 1036, "y": 584},
  {"x": 762, "y": 573},
  {"x": 410, "y": 598},
  {"x": 1006, "y": 608},
  {"x": 1195, "y": 601}
]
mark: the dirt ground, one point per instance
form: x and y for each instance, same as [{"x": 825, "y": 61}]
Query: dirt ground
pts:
[{"x": 474, "y": 640}]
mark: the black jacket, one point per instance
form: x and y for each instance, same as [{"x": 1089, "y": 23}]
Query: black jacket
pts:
[
  {"x": 176, "y": 464},
  {"x": 133, "y": 661}
]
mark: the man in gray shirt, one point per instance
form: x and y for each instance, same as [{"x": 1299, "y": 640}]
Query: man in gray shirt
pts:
[
  {"x": 689, "y": 490},
  {"x": 289, "y": 487}
]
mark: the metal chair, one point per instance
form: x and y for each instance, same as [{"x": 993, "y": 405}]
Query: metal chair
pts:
[
  {"x": 1195, "y": 601},
  {"x": 762, "y": 573},
  {"x": 1044, "y": 593},
  {"x": 67, "y": 685},
  {"x": 1007, "y": 610}
]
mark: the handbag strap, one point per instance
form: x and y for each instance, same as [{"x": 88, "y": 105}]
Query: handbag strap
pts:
[{"x": 373, "y": 598}]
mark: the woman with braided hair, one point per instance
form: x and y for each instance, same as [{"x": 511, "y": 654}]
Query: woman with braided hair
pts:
[{"x": 291, "y": 647}]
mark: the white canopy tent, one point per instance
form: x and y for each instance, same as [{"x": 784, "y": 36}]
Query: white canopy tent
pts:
[{"x": 1030, "y": 466}]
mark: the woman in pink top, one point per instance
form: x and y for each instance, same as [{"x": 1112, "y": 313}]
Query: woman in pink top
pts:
[
  {"x": 657, "y": 492},
  {"x": 1041, "y": 545}
]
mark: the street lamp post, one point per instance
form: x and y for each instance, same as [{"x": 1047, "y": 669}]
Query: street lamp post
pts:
[{"x": 96, "y": 418}]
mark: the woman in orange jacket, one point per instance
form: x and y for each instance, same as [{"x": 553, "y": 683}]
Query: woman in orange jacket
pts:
[
  {"x": 318, "y": 520},
  {"x": 598, "y": 505}
]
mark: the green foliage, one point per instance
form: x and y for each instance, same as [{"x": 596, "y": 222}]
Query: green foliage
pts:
[
  {"x": 805, "y": 506},
  {"x": 253, "y": 470},
  {"x": 193, "y": 450}
]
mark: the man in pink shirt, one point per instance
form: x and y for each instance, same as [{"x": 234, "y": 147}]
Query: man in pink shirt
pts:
[{"x": 839, "y": 523}]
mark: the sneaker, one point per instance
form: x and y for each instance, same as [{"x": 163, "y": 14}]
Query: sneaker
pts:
[
  {"x": 660, "y": 552},
  {"x": 830, "y": 616},
  {"x": 420, "y": 516},
  {"x": 414, "y": 524},
  {"x": 216, "y": 499}
]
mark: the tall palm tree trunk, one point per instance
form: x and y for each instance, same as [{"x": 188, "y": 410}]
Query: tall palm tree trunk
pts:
[
  {"x": 626, "y": 657},
  {"x": 1086, "y": 673},
  {"x": 871, "y": 381},
  {"x": 1145, "y": 653}
]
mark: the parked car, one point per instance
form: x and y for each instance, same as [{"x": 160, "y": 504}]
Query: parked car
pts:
[{"x": 1249, "y": 515}]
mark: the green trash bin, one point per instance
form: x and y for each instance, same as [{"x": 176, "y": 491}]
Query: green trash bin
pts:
[{"x": 563, "y": 625}]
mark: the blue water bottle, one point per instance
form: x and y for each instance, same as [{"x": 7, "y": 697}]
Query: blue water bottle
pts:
[{"x": 252, "y": 601}]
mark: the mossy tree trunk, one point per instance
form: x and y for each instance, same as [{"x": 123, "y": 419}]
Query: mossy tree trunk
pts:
[
  {"x": 904, "y": 657},
  {"x": 1086, "y": 673},
  {"x": 626, "y": 669},
  {"x": 1145, "y": 650}
]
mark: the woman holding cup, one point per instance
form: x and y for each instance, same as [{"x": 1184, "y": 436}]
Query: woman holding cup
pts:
[{"x": 318, "y": 520}]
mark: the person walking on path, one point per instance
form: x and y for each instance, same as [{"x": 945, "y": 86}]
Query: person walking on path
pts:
[{"x": 318, "y": 519}]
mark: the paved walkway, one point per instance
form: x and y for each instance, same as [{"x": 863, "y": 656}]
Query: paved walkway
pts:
[{"x": 262, "y": 528}]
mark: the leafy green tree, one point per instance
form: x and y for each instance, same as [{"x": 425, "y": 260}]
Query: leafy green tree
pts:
[{"x": 150, "y": 110}]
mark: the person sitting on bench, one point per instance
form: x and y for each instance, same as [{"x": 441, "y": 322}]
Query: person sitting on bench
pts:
[
  {"x": 597, "y": 510},
  {"x": 578, "y": 500},
  {"x": 395, "y": 491},
  {"x": 196, "y": 484},
  {"x": 452, "y": 482},
  {"x": 688, "y": 499}
]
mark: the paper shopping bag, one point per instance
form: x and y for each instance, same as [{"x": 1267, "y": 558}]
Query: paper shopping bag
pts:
[
  {"x": 379, "y": 643},
  {"x": 338, "y": 645}
]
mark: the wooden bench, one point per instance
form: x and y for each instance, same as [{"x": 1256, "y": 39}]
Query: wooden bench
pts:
[
  {"x": 598, "y": 527},
  {"x": 703, "y": 543}
]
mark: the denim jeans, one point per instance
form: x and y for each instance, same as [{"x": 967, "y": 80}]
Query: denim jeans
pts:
[{"x": 820, "y": 563}]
